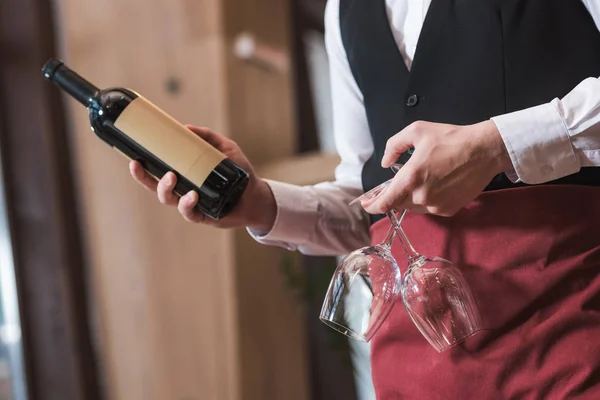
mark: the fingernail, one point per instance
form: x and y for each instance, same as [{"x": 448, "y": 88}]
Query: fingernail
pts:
[{"x": 189, "y": 198}]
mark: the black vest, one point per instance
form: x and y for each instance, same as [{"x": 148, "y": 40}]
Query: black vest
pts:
[{"x": 475, "y": 59}]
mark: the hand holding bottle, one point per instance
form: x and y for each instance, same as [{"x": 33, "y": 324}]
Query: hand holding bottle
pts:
[
  {"x": 141, "y": 131},
  {"x": 256, "y": 208}
]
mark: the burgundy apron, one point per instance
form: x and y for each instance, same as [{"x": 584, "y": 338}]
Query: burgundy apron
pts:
[{"x": 532, "y": 258}]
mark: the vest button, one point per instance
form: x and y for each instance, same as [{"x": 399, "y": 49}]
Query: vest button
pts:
[{"x": 412, "y": 100}]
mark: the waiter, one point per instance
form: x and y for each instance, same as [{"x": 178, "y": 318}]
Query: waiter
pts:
[{"x": 500, "y": 100}]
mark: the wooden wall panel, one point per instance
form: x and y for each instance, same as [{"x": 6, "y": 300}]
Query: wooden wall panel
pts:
[
  {"x": 186, "y": 312},
  {"x": 260, "y": 99},
  {"x": 273, "y": 350},
  {"x": 162, "y": 286}
]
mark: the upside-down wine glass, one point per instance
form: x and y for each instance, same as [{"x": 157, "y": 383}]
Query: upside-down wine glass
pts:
[{"x": 367, "y": 283}]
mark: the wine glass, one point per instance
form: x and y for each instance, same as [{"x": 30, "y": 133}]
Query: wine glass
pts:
[
  {"x": 363, "y": 290},
  {"x": 436, "y": 296},
  {"x": 434, "y": 292}
]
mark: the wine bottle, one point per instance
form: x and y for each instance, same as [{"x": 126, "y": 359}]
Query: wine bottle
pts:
[{"x": 141, "y": 131}]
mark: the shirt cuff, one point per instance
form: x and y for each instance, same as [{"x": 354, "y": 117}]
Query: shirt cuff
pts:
[
  {"x": 297, "y": 212},
  {"x": 538, "y": 144}
]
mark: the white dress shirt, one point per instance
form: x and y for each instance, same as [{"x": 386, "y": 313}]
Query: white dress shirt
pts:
[{"x": 545, "y": 142}]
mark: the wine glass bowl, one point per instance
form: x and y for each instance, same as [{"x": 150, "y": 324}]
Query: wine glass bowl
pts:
[
  {"x": 438, "y": 300},
  {"x": 368, "y": 281},
  {"x": 362, "y": 292}
]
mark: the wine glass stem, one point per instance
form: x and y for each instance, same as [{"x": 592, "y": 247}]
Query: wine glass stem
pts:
[
  {"x": 390, "y": 234},
  {"x": 389, "y": 237},
  {"x": 411, "y": 253}
]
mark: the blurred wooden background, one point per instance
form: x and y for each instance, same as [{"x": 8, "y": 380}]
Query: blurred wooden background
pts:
[
  {"x": 176, "y": 311},
  {"x": 186, "y": 312}
]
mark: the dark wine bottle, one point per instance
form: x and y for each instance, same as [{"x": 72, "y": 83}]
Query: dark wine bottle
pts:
[{"x": 141, "y": 131}]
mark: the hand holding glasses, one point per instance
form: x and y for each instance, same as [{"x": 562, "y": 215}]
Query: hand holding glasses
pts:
[{"x": 368, "y": 281}]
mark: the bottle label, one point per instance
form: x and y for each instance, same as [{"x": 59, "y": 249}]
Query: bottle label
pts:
[{"x": 167, "y": 139}]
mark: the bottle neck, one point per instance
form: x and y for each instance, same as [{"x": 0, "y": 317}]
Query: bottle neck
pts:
[{"x": 71, "y": 82}]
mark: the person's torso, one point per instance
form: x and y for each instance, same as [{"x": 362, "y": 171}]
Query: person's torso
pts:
[
  {"x": 530, "y": 255},
  {"x": 469, "y": 60}
]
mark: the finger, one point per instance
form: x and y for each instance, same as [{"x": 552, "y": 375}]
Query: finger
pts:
[
  {"x": 395, "y": 196},
  {"x": 165, "y": 188},
  {"x": 398, "y": 144},
  {"x": 186, "y": 208},
  {"x": 418, "y": 210},
  {"x": 405, "y": 204},
  {"x": 216, "y": 140},
  {"x": 141, "y": 176}
]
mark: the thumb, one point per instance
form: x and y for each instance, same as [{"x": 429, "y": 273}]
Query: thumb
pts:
[
  {"x": 214, "y": 139},
  {"x": 398, "y": 144},
  {"x": 396, "y": 193}
]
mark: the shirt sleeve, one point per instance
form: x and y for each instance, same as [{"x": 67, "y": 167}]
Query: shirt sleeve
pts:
[
  {"x": 316, "y": 220},
  {"x": 556, "y": 139}
]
